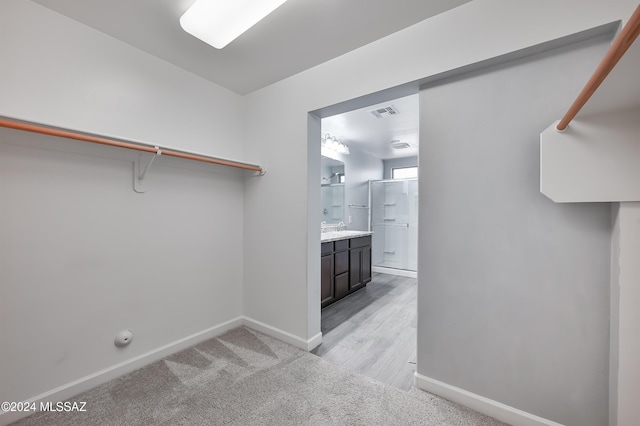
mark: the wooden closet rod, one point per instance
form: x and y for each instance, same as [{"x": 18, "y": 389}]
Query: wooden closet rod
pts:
[
  {"x": 135, "y": 146},
  {"x": 624, "y": 40}
]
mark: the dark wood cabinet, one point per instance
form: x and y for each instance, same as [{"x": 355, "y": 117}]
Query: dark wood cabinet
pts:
[
  {"x": 366, "y": 264},
  {"x": 326, "y": 248},
  {"x": 341, "y": 262},
  {"x": 345, "y": 266},
  {"x": 359, "y": 263},
  {"x": 342, "y": 285},
  {"x": 355, "y": 269},
  {"x": 327, "y": 293}
]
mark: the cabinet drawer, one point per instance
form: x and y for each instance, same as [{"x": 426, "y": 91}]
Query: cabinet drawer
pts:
[
  {"x": 341, "y": 262},
  {"x": 326, "y": 248},
  {"x": 360, "y": 242},
  {"x": 341, "y": 245}
]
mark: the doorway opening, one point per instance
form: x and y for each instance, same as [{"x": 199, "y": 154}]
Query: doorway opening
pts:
[{"x": 369, "y": 215}]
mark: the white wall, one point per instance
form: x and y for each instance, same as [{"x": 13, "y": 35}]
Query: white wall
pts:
[
  {"x": 517, "y": 303},
  {"x": 277, "y": 127},
  {"x": 628, "y": 374},
  {"x": 278, "y": 132},
  {"x": 82, "y": 255},
  {"x": 614, "y": 327},
  {"x": 595, "y": 159},
  {"x": 62, "y": 73}
]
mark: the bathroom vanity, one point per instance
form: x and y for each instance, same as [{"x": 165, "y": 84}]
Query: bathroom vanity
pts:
[{"x": 345, "y": 264}]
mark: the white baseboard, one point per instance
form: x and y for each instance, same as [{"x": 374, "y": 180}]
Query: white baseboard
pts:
[
  {"x": 314, "y": 341},
  {"x": 298, "y": 342},
  {"x": 487, "y": 406},
  {"x": 75, "y": 387},
  {"x": 393, "y": 271},
  {"x": 78, "y": 386}
]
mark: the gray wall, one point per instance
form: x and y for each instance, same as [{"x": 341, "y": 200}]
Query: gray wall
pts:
[
  {"x": 513, "y": 289},
  {"x": 396, "y": 163}
]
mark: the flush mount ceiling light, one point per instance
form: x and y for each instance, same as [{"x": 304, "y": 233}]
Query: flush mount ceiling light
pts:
[
  {"x": 219, "y": 22},
  {"x": 397, "y": 144},
  {"x": 332, "y": 143}
]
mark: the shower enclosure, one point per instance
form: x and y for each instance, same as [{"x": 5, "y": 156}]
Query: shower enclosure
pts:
[
  {"x": 332, "y": 200},
  {"x": 394, "y": 222}
]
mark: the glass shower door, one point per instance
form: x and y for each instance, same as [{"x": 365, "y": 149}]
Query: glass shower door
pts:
[
  {"x": 394, "y": 222},
  {"x": 332, "y": 202}
]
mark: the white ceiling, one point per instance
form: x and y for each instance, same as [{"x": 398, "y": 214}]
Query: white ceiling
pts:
[
  {"x": 366, "y": 132},
  {"x": 298, "y": 35}
]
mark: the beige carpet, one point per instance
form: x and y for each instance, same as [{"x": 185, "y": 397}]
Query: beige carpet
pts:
[{"x": 244, "y": 377}]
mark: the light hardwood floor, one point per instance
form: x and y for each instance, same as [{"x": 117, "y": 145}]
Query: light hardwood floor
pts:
[{"x": 373, "y": 331}]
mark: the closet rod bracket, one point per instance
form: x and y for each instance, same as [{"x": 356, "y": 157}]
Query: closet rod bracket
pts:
[{"x": 138, "y": 176}]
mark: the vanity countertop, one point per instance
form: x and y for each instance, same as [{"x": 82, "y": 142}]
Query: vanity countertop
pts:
[{"x": 326, "y": 237}]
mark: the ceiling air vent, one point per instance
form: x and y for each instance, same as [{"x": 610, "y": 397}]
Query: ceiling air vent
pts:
[
  {"x": 387, "y": 111},
  {"x": 396, "y": 144}
]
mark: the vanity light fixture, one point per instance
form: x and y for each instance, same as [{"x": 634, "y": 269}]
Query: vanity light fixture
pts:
[
  {"x": 332, "y": 143},
  {"x": 219, "y": 22}
]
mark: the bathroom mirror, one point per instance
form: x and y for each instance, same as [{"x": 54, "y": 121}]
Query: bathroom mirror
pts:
[{"x": 332, "y": 190}]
